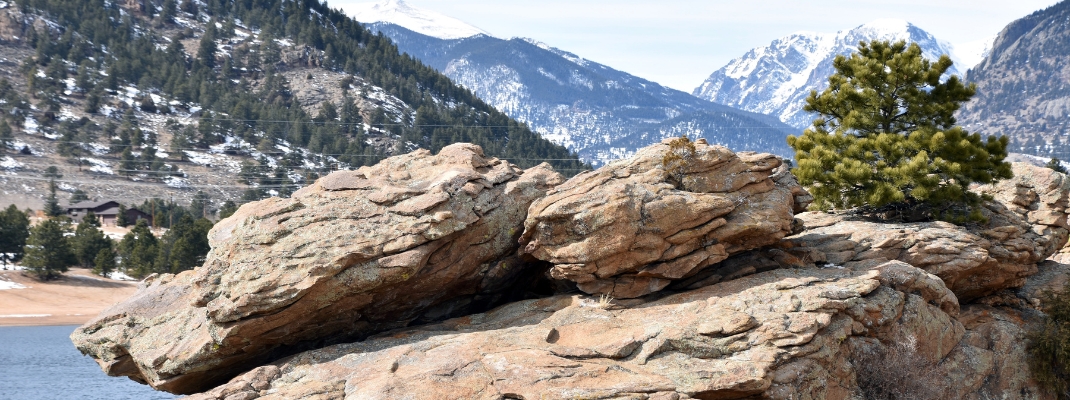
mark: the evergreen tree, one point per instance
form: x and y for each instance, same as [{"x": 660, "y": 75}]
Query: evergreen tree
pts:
[
  {"x": 92, "y": 102},
  {"x": 121, "y": 220},
  {"x": 127, "y": 162},
  {"x": 14, "y": 229},
  {"x": 48, "y": 252},
  {"x": 228, "y": 209},
  {"x": 88, "y": 240},
  {"x": 79, "y": 195},
  {"x": 198, "y": 207},
  {"x": 104, "y": 262},
  {"x": 184, "y": 246},
  {"x": 52, "y": 207},
  {"x": 52, "y": 172},
  {"x": 1056, "y": 165},
  {"x": 885, "y": 138},
  {"x": 6, "y": 137},
  {"x": 138, "y": 250}
]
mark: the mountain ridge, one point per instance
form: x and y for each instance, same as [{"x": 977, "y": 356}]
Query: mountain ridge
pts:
[
  {"x": 776, "y": 79},
  {"x": 594, "y": 110},
  {"x": 1023, "y": 86}
]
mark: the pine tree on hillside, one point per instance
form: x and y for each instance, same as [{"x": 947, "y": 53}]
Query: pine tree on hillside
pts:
[
  {"x": 52, "y": 207},
  {"x": 228, "y": 209},
  {"x": 48, "y": 252},
  {"x": 14, "y": 229},
  {"x": 6, "y": 136},
  {"x": 199, "y": 205},
  {"x": 78, "y": 196},
  {"x": 885, "y": 139}
]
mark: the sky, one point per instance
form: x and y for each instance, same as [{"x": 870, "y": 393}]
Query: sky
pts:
[{"x": 678, "y": 43}]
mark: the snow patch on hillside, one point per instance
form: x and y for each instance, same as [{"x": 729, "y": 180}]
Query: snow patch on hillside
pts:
[{"x": 419, "y": 20}]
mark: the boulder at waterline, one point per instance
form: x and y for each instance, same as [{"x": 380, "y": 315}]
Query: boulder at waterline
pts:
[{"x": 418, "y": 237}]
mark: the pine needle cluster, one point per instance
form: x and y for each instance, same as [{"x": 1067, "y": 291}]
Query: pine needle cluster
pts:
[{"x": 885, "y": 138}]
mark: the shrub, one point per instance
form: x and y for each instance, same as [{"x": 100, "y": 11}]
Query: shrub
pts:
[
  {"x": 897, "y": 372},
  {"x": 1049, "y": 345}
]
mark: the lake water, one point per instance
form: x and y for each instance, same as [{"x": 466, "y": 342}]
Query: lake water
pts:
[{"x": 40, "y": 362}]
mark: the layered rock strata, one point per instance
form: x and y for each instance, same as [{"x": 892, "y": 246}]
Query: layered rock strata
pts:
[
  {"x": 1026, "y": 224},
  {"x": 632, "y": 227},
  {"x": 782, "y": 334},
  {"x": 418, "y": 237}
]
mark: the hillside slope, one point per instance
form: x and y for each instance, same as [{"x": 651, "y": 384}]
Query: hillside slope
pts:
[
  {"x": 248, "y": 98},
  {"x": 1023, "y": 86},
  {"x": 594, "y": 110}
]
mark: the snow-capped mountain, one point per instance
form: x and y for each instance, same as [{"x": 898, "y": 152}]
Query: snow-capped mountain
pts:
[
  {"x": 776, "y": 79},
  {"x": 598, "y": 112},
  {"x": 972, "y": 53},
  {"x": 418, "y": 20}
]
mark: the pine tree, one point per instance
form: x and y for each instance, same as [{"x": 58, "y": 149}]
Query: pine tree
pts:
[
  {"x": 228, "y": 209},
  {"x": 127, "y": 162},
  {"x": 121, "y": 220},
  {"x": 79, "y": 195},
  {"x": 199, "y": 205},
  {"x": 885, "y": 138},
  {"x": 6, "y": 137},
  {"x": 88, "y": 240},
  {"x": 48, "y": 252},
  {"x": 104, "y": 262},
  {"x": 1056, "y": 165},
  {"x": 14, "y": 229},
  {"x": 138, "y": 250},
  {"x": 52, "y": 207},
  {"x": 184, "y": 246}
]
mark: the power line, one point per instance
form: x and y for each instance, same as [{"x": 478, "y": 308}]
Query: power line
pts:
[{"x": 203, "y": 150}]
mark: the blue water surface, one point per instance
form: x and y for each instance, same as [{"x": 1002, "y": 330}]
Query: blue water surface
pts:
[{"x": 40, "y": 362}]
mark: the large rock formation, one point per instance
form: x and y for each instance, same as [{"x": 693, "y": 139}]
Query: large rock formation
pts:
[
  {"x": 716, "y": 291},
  {"x": 632, "y": 227},
  {"x": 783, "y": 334},
  {"x": 414, "y": 238},
  {"x": 1027, "y": 224}
]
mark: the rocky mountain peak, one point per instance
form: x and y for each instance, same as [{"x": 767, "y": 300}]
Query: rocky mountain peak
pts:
[{"x": 776, "y": 79}]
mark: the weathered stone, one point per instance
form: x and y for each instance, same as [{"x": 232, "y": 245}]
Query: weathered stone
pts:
[
  {"x": 628, "y": 230},
  {"x": 1027, "y": 224},
  {"x": 782, "y": 334},
  {"x": 415, "y": 238}
]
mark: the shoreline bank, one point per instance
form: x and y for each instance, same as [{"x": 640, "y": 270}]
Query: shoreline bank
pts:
[{"x": 74, "y": 299}]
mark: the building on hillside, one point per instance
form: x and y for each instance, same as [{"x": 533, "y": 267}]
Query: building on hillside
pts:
[{"x": 106, "y": 211}]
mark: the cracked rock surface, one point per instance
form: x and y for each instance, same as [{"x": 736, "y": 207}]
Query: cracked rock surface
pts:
[
  {"x": 780, "y": 334},
  {"x": 634, "y": 226},
  {"x": 1027, "y": 224},
  {"x": 416, "y": 238}
]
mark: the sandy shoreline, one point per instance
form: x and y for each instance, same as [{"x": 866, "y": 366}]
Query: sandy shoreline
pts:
[{"x": 74, "y": 299}]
